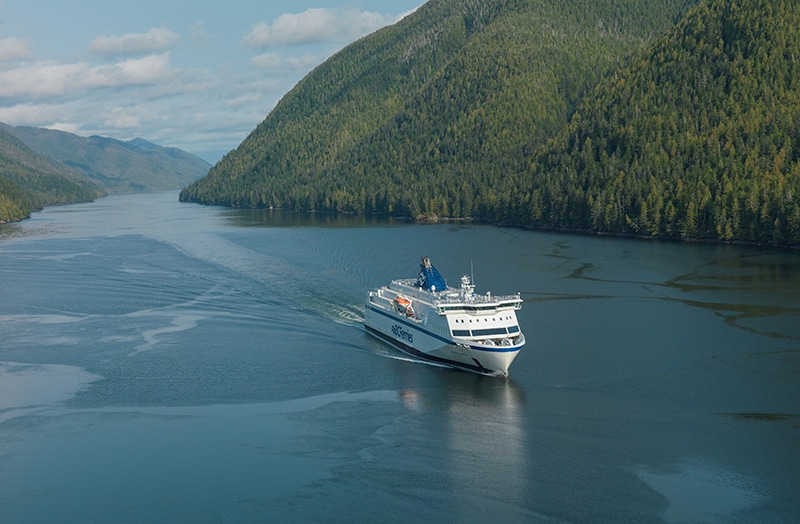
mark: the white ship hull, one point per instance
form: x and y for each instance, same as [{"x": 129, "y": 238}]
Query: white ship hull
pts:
[{"x": 477, "y": 333}]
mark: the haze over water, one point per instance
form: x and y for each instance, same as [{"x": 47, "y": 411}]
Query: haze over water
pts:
[{"x": 164, "y": 362}]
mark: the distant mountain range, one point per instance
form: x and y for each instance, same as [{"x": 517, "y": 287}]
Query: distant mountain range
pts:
[
  {"x": 42, "y": 167},
  {"x": 667, "y": 118}
]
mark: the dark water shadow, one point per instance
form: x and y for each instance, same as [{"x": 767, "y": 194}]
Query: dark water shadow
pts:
[
  {"x": 281, "y": 218},
  {"x": 763, "y": 417}
]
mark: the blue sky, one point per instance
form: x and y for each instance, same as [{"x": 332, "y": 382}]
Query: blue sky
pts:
[{"x": 184, "y": 73}]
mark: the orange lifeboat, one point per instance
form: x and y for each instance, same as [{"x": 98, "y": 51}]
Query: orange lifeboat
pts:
[{"x": 403, "y": 305}]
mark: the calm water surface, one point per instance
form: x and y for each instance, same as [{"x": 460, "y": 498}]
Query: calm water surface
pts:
[{"x": 165, "y": 362}]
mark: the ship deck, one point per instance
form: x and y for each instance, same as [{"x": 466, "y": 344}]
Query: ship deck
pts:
[{"x": 452, "y": 297}]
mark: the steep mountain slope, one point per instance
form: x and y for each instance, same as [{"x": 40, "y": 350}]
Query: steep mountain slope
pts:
[
  {"x": 120, "y": 167},
  {"x": 28, "y": 181},
  {"x": 428, "y": 116},
  {"x": 699, "y": 136}
]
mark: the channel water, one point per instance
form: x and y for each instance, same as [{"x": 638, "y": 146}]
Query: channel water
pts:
[{"x": 168, "y": 362}]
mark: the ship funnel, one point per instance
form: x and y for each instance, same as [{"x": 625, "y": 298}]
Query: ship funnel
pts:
[{"x": 429, "y": 278}]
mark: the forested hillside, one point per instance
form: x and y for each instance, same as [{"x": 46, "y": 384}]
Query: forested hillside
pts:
[
  {"x": 663, "y": 118},
  {"x": 14, "y": 204},
  {"x": 119, "y": 167},
  {"x": 697, "y": 137},
  {"x": 29, "y": 181},
  {"x": 428, "y": 115}
]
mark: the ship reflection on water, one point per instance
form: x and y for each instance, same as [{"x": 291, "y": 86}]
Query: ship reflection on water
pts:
[{"x": 480, "y": 430}]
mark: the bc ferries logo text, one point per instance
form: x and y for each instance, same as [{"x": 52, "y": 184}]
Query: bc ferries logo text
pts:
[{"x": 402, "y": 334}]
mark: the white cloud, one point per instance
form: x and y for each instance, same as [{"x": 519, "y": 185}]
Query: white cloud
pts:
[
  {"x": 276, "y": 62},
  {"x": 135, "y": 71},
  {"x": 316, "y": 25},
  {"x": 66, "y": 127},
  {"x": 122, "y": 119},
  {"x": 40, "y": 79},
  {"x": 247, "y": 99},
  {"x": 307, "y": 61},
  {"x": 156, "y": 40},
  {"x": 13, "y": 49},
  {"x": 267, "y": 61},
  {"x": 61, "y": 116},
  {"x": 44, "y": 79}
]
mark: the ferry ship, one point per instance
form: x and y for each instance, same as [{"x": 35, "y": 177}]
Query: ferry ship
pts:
[{"x": 453, "y": 327}]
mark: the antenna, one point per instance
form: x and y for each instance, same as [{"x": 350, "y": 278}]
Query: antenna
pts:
[{"x": 471, "y": 273}]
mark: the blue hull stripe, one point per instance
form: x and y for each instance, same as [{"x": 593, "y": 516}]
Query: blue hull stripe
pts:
[
  {"x": 430, "y": 358},
  {"x": 395, "y": 318}
]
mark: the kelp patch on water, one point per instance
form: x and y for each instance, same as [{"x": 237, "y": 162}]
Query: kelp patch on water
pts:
[{"x": 764, "y": 417}]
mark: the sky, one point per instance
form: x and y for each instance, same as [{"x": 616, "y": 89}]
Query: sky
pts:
[{"x": 192, "y": 74}]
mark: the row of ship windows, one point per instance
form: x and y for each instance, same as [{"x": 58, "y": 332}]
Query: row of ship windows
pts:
[
  {"x": 462, "y": 321},
  {"x": 483, "y": 332}
]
